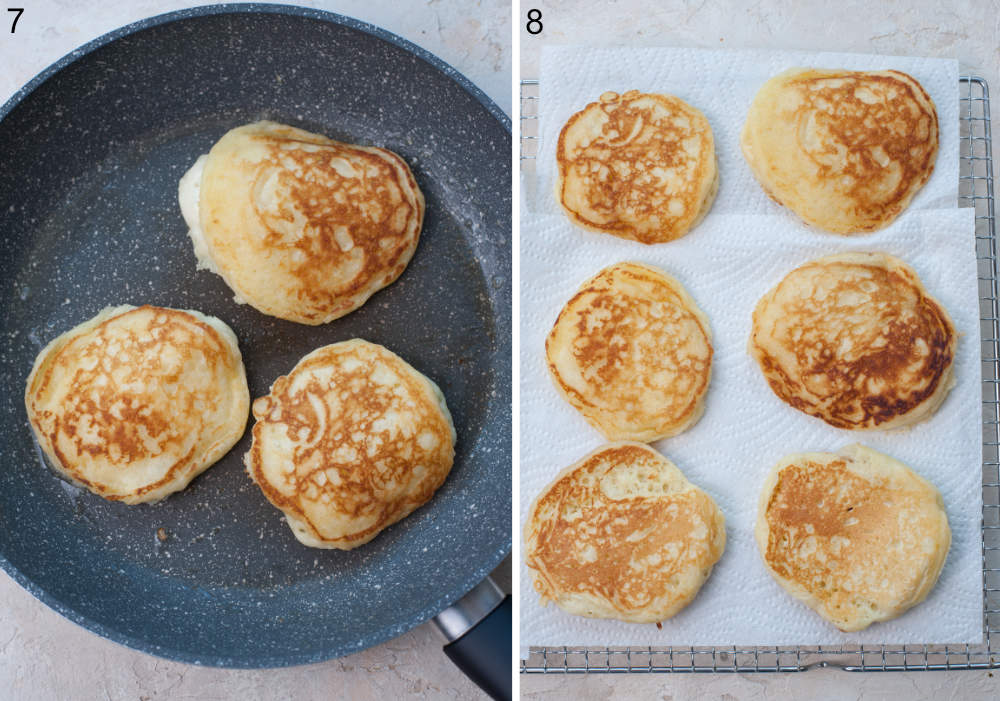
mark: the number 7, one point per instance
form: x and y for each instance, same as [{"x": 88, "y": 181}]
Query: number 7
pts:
[{"x": 19, "y": 11}]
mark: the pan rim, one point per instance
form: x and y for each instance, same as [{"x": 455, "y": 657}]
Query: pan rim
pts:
[
  {"x": 264, "y": 660},
  {"x": 263, "y": 9}
]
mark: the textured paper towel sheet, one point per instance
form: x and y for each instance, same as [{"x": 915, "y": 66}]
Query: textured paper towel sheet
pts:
[
  {"x": 727, "y": 264},
  {"x": 722, "y": 84}
]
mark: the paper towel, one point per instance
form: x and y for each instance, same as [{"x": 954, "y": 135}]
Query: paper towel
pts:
[
  {"x": 722, "y": 84},
  {"x": 727, "y": 264},
  {"x": 744, "y": 247}
]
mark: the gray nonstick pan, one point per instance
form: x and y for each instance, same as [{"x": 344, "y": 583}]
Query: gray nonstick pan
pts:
[{"x": 92, "y": 150}]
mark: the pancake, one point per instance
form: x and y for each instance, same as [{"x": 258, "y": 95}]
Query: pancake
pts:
[
  {"x": 352, "y": 440},
  {"x": 622, "y": 534},
  {"x": 638, "y": 166},
  {"x": 136, "y": 402},
  {"x": 845, "y": 150},
  {"x": 632, "y": 352},
  {"x": 857, "y": 536},
  {"x": 301, "y": 227},
  {"x": 855, "y": 339}
]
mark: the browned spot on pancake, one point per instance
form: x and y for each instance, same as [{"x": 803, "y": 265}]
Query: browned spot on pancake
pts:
[
  {"x": 370, "y": 210},
  {"x": 631, "y": 551},
  {"x": 845, "y": 150},
  {"x": 344, "y": 459},
  {"x": 645, "y": 175},
  {"x": 893, "y": 123},
  {"x": 303, "y": 227},
  {"x": 855, "y": 345},
  {"x": 853, "y": 543},
  {"x": 641, "y": 354},
  {"x": 111, "y": 413}
]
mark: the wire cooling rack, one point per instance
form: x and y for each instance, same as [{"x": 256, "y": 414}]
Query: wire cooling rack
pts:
[{"x": 975, "y": 190}]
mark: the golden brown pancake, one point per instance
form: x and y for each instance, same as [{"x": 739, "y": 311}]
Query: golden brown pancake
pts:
[
  {"x": 622, "y": 534},
  {"x": 352, "y": 440},
  {"x": 639, "y": 166},
  {"x": 135, "y": 403},
  {"x": 856, "y": 536},
  {"x": 632, "y": 352},
  {"x": 856, "y": 340},
  {"x": 845, "y": 150},
  {"x": 300, "y": 226}
]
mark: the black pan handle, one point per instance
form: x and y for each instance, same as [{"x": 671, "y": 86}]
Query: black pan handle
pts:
[{"x": 479, "y": 631}]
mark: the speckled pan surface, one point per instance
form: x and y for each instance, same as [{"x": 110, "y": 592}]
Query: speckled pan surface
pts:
[{"x": 92, "y": 151}]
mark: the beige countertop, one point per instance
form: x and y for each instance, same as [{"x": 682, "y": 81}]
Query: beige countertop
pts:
[
  {"x": 44, "y": 656},
  {"x": 968, "y": 30}
]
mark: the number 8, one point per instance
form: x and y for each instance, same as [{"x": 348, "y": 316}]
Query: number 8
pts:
[{"x": 536, "y": 21}]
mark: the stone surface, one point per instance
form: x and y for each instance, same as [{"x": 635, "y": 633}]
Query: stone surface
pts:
[
  {"x": 968, "y": 30},
  {"x": 44, "y": 656},
  {"x": 815, "y": 685}
]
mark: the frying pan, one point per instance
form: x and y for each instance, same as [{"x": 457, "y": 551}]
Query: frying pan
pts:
[{"x": 92, "y": 151}]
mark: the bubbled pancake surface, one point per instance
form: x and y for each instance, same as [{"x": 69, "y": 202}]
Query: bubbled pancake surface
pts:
[
  {"x": 303, "y": 227},
  {"x": 352, "y": 440},
  {"x": 622, "y": 534},
  {"x": 857, "y": 536},
  {"x": 856, "y": 340},
  {"x": 845, "y": 150},
  {"x": 639, "y": 166},
  {"x": 632, "y": 352},
  {"x": 136, "y": 402}
]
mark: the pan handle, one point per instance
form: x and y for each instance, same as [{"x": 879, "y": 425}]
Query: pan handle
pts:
[{"x": 479, "y": 631}]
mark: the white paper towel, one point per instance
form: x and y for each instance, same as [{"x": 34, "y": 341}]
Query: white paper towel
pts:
[
  {"x": 727, "y": 264},
  {"x": 741, "y": 250},
  {"x": 722, "y": 84}
]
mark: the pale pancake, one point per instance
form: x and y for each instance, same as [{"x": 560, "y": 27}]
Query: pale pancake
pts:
[
  {"x": 352, "y": 440},
  {"x": 845, "y": 150},
  {"x": 632, "y": 352},
  {"x": 639, "y": 166},
  {"x": 622, "y": 534},
  {"x": 856, "y": 340},
  {"x": 300, "y": 226},
  {"x": 857, "y": 536},
  {"x": 136, "y": 402}
]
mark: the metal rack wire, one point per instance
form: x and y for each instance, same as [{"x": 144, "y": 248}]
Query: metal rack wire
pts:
[{"x": 975, "y": 190}]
